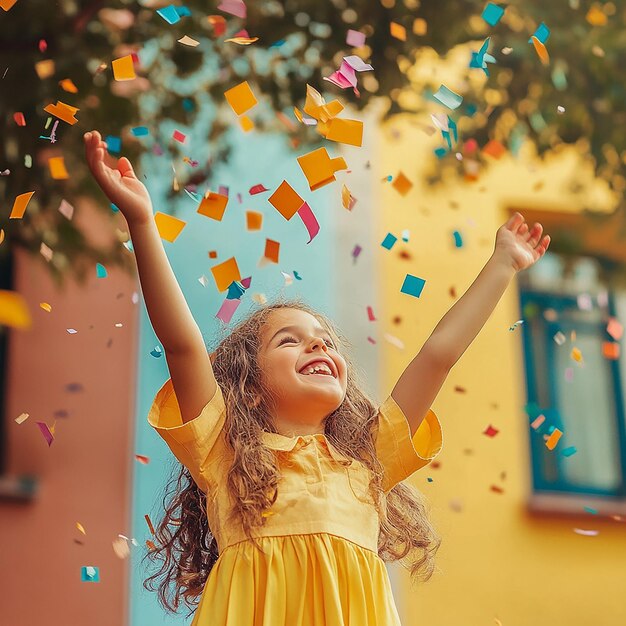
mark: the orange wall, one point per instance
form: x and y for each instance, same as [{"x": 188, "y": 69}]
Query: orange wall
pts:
[{"x": 85, "y": 476}]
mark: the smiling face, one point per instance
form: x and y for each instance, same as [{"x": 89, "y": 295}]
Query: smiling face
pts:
[{"x": 302, "y": 370}]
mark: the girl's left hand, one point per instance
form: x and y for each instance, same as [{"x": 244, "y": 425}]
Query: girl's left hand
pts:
[{"x": 519, "y": 246}]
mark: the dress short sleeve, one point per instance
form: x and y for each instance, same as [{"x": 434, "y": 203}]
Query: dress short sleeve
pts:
[
  {"x": 400, "y": 455},
  {"x": 190, "y": 442}
]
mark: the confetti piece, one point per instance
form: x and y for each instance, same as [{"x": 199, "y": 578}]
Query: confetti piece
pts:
[
  {"x": 345, "y": 131},
  {"x": 420, "y": 26},
  {"x": 169, "y": 227},
  {"x": 319, "y": 168},
  {"x": 20, "y": 419},
  {"x": 516, "y": 324},
  {"x": 20, "y": 204},
  {"x": 19, "y": 118},
  {"x": 286, "y": 200},
  {"x": 120, "y": 547},
  {"x": 225, "y": 273},
  {"x": 413, "y": 285},
  {"x": 589, "y": 509},
  {"x": 101, "y": 271},
  {"x": 397, "y": 31},
  {"x": 14, "y": 310},
  {"x": 169, "y": 14},
  {"x": 213, "y": 205},
  {"x": 496, "y": 489},
  {"x": 344, "y": 77},
  {"x": 480, "y": 59},
  {"x": 535, "y": 424},
  {"x": 394, "y": 341},
  {"x": 553, "y": 439},
  {"x": 242, "y": 41},
  {"x": 448, "y": 98},
  {"x": 541, "y": 50},
  {"x": 355, "y": 38},
  {"x": 596, "y": 17},
  {"x": 494, "y": 148},
  {"x": 458, "y": 239},
  {"x": 490, "y": 431},
  {"x": 587, "y": 533},
  {"x": 309, "y": 220},
  {"x": 66, "y": 209},
  {"x": 227, "y": 310},
  {"x": 47, "y": 432},
  {"x": 144, "y": 460},
  {"x": 347, "y": 199},
  {"x": 255, "y": 189},
  {"x": 615, "y": 328},
  {"x": 492, "y": 14},
  {"x": 89, "y": 574},
  {"x": 370, "y": 314},
  {"x": 219, "y": 24},
  {"x": 560, "y": 110},
  {"x": 235, "y": 291},
  {"x": 389, "y": 241},
  {"x": 246, "y": 123},
  {"x": 123, "y": 68},
  {"x": 402, "y": 184},
  {"x": 254, "y": 220},
  {"x": 356, "y": 251},
  {"x": 7, "y": 4},
  {"x": 569, "y": 451},
  {"x": 45, "y": 68},
  {"x": 157, "y": 351},
  {"x": 68, "y": 85},
  {"x": 80, "y": 528},
  {"x": 542, "y": 33},
  {"x": 188, "y": 41},
  {"x": 610, "y": 350},
  {"x": 240, "y": 98},
  {"x": 178, "y": 136},
  {"x": 149, "y": 522},
  {"x": 577, "y": 355},
  {"x": 64, "y": 112},
  {"x": 405, "y": 236},
  {"x": 272, "y": 250},
  {"x": 57, "y": 168},
  {"x": 233, "y": 7}
]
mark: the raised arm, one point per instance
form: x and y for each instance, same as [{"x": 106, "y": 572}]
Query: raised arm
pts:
[
  {"x": 516, "y": 248},
  {"x": 173, "y": 323}
]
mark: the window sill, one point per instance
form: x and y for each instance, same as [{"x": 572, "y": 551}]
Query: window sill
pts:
[
  {"x": 18, "y": 489},
  {"x": 566, "y": 505}
]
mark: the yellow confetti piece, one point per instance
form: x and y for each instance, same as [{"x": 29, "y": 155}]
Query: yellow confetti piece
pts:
[
  {"x": 553, "y": 439},
  {"x": 14, "y": 310},
  {"x": 246, "y": 123},
  {"x": 242, "y": 41},
  {"x": 22, "y": 418},
  {"x": 64, "y": 112},
  {"x": 576, "y": 355},
  {"x": 45, "y": 68},
  {"x": 542, "y": 51},
  {"x": 57, "y": 167},
  {"x": 347, "y": 199},
  {"x": 20, "y": 204},
  {"x": 1, "y": 235},
  {"x": 45, "y": 306},
  {"x": 123, "y": 68},
  {"x": 81, "y": 528},
  {"x": 169, "y": 227},
  {"x": 225, "y": 273},
  {"x": 240, "y": 98}
]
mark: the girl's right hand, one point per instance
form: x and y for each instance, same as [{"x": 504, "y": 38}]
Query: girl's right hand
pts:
[{"x": 121, "y": 185}]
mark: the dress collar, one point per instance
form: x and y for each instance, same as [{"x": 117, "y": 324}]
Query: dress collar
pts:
[{"x": 276, "y": 441}]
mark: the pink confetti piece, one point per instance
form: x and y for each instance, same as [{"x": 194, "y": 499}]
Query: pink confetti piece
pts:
[
  {"x": 372, "y": 341},
  {"x": 538, "y": 421},
  {"x": 233, "y": 7},
  {"x": 246, "y": 282},
  {"x": 178, "y": 136},
  {"x": 309, "y": 220},
  {"x": 47, "y": 433},
  {"x": 345, "y": 76},
  {"x": 586, "y": 533},
  {"x": 227, "y": 310},
  {"x": 355, "y": 38},
  {"x": 260, "y": 188},
  {"x": 615, "y": 329},
  {"x": 370, "y": 314},
  {"x": 490, "y": 431}
]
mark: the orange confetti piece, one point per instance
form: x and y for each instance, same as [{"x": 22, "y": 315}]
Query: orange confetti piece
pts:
[
  {"x": 45, "y": 306},
  {"x": 150, "y": 545},
  {"x": 254, "y": 220},
  {"x": 553, "y": 439},
  {"x": 149, "y": 522},
  {"x": 225, "y": 273},
  {"x": 240, "y": 98},
  {"x": 542, "y": 51},
  {"x": 123, "y": 68},
  {"x": 57, "y": 168},
  {"x": 68, "y": 85},
  {"x": 64, "y": 112},
  {"x": 81, "y": 528},
  {"x": 610, "y": 350},
  {"x": 494, "y": 148},
  {"x": 19, "y": 118},
  {"x": 319, "y": 168},
  {"x": 242, "y": 41},
  {"x": 20, "y": 204},
  {"x": 213, "y": 205},
  {"x": 345, "y": 131},
  {"x": 144, "y": 460},
  {"x": 347, "y": 199},
  {"x": 596, "y": 17},
  {"x": 272, "y": 250},
  {"x": 7, "y": 4},
  {"x": 286, "y": 200},
  {"x": 45, "y": 68},
  {"x": 402, "y": 184},
  {"x": 577, "y": 355},
  {"x": 397, "y": 31},
  {"x": 246, "y": 123},
  {"x": 420, "y": 26},
  {"x": 169, "y": 227}
]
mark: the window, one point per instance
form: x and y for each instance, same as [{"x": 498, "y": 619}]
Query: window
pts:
[{"x": 566, "y": 304}]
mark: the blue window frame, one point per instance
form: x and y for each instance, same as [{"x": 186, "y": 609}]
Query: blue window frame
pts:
[{"x": 588, "y": 408}]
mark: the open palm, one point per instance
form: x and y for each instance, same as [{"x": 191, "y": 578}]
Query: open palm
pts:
[
  {"x": 522, "y": 246},
  {"x": 120, "y": 184}
]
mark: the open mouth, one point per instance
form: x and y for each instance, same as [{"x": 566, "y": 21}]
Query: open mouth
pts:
[{"x": 317, "y": 368}]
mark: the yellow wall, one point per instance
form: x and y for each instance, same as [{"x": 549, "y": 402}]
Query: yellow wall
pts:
[{"x": 496, "y": 561}]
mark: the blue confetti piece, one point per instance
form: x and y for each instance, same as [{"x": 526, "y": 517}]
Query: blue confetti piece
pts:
[
  {"x": 440, "y": 153},
  {"x": 405, "y": 236},
  {"x": 114, "y": 144},
  {"x": 89, "y": 574},
  {"x": 429, "y": 479},
  {"x": 188, "y": 104},
  {"x": 389, "y": 241},
  {"x": 492, "y": 14},
  {"x": 278, "y": 44},
  {"x": 542, "y": 33},
  {"x": 235, "y": 291},
  {"x": 470, "y": 110},
  {"x": 389, "y": 178},
  {"x": 296, "y": 275},
  {"x": 458, "y": 240},
  {"x": 170, "y": 14},
  {"x": 413, "y": 285},
  {"x": 590, "y": 509},
  {"x": 101, "y": 271},
  {"x": 114, "y": 208},
  {"x": 183, "y": 11},
  {"x": 156, "y": 352},
  {"x": 569, "y": 451},
  {"x": 140, "y": 131},
  {"x": 448, "y": 98}
]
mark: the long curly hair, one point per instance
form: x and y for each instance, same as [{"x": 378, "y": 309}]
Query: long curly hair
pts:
[{"x": 185, "y": 549}]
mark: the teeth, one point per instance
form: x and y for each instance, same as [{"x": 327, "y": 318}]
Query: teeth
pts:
[{"x": 323, "y": 368}]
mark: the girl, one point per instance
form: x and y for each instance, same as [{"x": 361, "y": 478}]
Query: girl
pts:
[{"x": 290, "y": 497}]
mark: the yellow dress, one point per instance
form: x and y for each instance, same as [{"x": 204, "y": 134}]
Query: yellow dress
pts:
[{"x": 319, "y": 565}]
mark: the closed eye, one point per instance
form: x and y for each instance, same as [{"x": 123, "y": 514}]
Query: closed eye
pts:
[{"x": 287, "y": 339}]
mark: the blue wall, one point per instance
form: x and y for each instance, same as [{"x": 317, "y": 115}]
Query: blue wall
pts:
[{"x": 255, "y": 158}]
